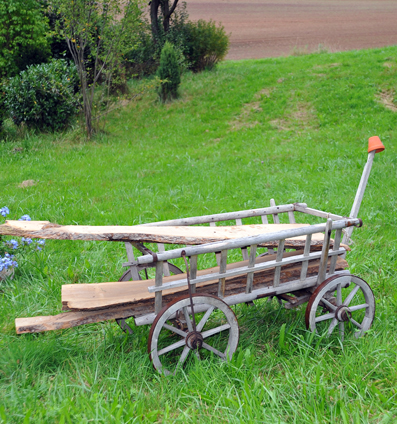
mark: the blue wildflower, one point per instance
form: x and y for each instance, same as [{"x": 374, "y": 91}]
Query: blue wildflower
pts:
[
  {"x": 12, "y": 243},
  {"x": 4, "y": 211},
  {"x": 25, "y": 218},
  {"x": 27, "y": 240}
]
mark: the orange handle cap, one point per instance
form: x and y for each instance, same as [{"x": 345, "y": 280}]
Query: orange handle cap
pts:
[{"x": 374, "y": 143}]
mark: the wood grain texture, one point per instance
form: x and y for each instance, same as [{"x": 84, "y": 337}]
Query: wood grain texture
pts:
[{"x": 105, "y": 295}]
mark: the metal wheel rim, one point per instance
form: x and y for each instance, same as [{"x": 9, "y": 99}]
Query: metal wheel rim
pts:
[
  {"x": 184, "y": 302},
  {"x": 331, "y": 285}
]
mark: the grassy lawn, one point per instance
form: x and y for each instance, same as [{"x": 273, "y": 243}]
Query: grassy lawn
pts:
[{"x": 294, "y": 129}]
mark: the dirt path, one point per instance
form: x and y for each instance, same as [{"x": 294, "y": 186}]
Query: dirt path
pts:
[{"x": 268, "y": 28}]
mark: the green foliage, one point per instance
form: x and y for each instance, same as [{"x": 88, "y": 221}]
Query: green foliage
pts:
[
  {"x": 23, "y": 30},
  {"x": 169, "y": 73},
  {"x": 43, "y": 96},
  {"x": 199, "y": 45},
  {"x": 206, "y": 44}
]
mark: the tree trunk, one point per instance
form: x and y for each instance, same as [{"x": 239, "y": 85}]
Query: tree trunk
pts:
[{"x": 166, "y": 12}]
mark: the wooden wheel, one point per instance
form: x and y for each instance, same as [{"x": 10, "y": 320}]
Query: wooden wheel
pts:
[
  {"x": 343, "y": 301},
  {"x": 217, "y": 331}
]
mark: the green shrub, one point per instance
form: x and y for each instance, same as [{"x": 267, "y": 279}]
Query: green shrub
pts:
[
  {"x": 206, "y": 44},
  {"x": 23, "y": 41},
  {"x": 169, "y": 73},
  {"x": 43, "y": 96}
]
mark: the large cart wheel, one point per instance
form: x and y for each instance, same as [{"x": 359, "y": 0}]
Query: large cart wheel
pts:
[
  {"x": 217, "y": 331},
  {"x": 343, "y": 301}
]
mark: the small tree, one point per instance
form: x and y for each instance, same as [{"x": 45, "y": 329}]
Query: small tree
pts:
[
  {"x": 169, "y": 73},
  {"x": 97, "y": 32}
]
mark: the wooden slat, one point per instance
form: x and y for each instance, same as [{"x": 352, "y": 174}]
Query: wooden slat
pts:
[
  {"x": 244, "y": 251},
  {"x": 131, "y": 258},
  {"x": 279, "y": 257},
  {"x": 158, "y": 302},
  {"x": 251, "y": 263},
  {"x": 193, "y": 270},
  {"x": 306, "y": 253},
  {"x": 222, "y": 270},
  {"x": 338, "y": 236},
  {"x": 325, "y": 252},
  {"x": 276, "y": 219},
  {"x": 166, "y": 269}
]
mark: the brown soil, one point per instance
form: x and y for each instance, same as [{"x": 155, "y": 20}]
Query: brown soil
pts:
[{"x": 269, "y": 28}]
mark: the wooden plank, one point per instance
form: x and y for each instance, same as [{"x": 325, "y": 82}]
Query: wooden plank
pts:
[
  {"x": 338, "y": 235},
  {"x": 193, "y": 270},
  {"x": 325, "y": 252},
  {"x": 158, "y": 302},
  {"x": 306, "y": 253},
  {"x": 131, "y": 258},
  {"x": 105, "y": 295},
  {"x": 166, "y": 269},
  {"x": 70, "y": 319}
]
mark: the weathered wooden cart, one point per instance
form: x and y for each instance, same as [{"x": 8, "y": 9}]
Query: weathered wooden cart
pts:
[{"x": 190, "y": 311}]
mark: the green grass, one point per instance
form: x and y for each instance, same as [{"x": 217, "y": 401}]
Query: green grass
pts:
[{"x": 294, "y": 129}]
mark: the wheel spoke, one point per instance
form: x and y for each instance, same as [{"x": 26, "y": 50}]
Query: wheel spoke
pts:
[
  {"x": 339, "y": 295},
  {"x": 171, "y": 347},
  {"x": 329, "y": 304},
  {"x": 183, "y": 357},
  {"x": 187, "y": 318},
  {"x": 351, "y": 295},
  {"x": 358, "y": 307},
  {"x": 325, "y": 317},
  {"x": 201, "y": 324},
  {"x": 353, "y": 321},
  {"x": 212, "y": 349},
  {"x": 342, "y": 330},
  {"x": 216, "y": 330},
  {"x": 175, "y": 330},
  {"x": 332, "y": 326}
]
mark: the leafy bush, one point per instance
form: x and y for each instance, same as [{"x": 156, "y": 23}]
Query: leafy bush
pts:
[
  {"x": 169, "y": 73},
  {"x": 23, "y": 41},
  {"x": 43, "y": 96},
  {"x": 206, "y": 44}
]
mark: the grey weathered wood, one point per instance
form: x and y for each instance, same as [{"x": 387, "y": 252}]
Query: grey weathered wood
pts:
[
  {"x": 225, "y": 216},
  {"x": 244, "y": 270},
  {"x": 360, "y": 194},
  {"x": 291, "y": 217},
  {"x": 338, "y": 235},
  {"x": 193, "y": 270},
  {"x": 276, "y": 219},
  {"x": 166, "y": 270},
  {"x": 244, "y": 251},
  {"x": 158, "y": 300},
  {"x": 279, "y": 258},
  {"x": 249, "y": 297},
  {"x": 222, "y": 270},
  {"x": 264, "y": 219},
  {"x": 131, "y": 258},
  {"x": 306, "y": 253},
  {"x": 251, "y": 264},
  {"x": 217, "y": 255},
  {"x": 301, "y": 207},
  {"x": 245, "y": 241},
  {"x": 325, "y": 252}
]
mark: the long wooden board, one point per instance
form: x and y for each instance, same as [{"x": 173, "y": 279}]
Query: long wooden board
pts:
[
  {"x": 105, "y": 295},
  {"x": 146, "y": 306},
  {"x": 192, "y": 235}
]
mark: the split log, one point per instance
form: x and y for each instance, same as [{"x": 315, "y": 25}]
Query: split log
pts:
[{"x": 192, "y": 235}]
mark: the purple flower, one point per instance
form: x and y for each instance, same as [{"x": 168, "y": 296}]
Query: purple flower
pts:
[
  {"x": 26, "y": 241},
  {"x": 42, "y": 242},
  {"x": 12, "y": 243},
  {"x": 25, "y": 218},
  {"x": 4, "y": 211}
]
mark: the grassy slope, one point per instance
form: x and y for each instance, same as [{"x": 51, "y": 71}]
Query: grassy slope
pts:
[{"x": 290, "y": 128}]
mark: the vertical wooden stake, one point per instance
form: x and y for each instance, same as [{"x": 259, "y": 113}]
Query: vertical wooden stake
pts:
[
  {"x": 244, "y": 250},
  {"x": 222, "y": 269},
  {"x": 166, "y": 270},
  {"x": 276, "y": 219},
  {"x": 324, "y": 254},
  {"x": 131, "y": 258},
  {"x": 251, "y": 264},
  {"x": 158, "y": 299},
  {"x": 338, "y": 236},
  {"x": 193, "y": 271},
  {"x": 279, "y": 258},
  {"x": 218, "y": 255},
  {"x": 306, "y": 252}
]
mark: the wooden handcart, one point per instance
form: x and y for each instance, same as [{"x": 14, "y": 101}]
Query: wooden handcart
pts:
[{"x": 190, "y": 311}]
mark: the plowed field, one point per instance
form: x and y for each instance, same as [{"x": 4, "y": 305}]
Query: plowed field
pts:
[{"x": 266, "y": 28}]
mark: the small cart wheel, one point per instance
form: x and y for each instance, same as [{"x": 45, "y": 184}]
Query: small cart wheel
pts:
[
  {"x": 217, "y": 331},
  {"x": 345, "y": 301}
]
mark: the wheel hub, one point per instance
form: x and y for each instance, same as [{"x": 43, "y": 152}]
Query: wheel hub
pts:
[
  {"x": 342, "y": 313},
  {"x": 194, "y": 340}
]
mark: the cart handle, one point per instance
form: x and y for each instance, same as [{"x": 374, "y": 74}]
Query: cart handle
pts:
[{"x": 374, "y": 146}]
